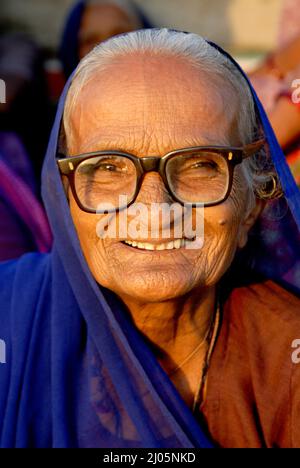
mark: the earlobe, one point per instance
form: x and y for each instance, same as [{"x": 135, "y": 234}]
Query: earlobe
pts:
[{"x": 249, "y": 221}]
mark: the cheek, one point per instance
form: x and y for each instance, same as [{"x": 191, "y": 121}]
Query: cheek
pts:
[
  {"x": 85, "y": 223},
  {"x": 221, "y": 231},
  {"x": 224, "y": 220},
  {"x": 92, "y": 246}
]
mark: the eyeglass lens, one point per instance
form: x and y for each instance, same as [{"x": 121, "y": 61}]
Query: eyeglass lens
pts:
[{"x": 198, "y": 177}]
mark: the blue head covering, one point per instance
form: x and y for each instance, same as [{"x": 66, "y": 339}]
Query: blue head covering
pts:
[
  {"x": 78, "y": 373},
  {"x": 68, "y": 49}
]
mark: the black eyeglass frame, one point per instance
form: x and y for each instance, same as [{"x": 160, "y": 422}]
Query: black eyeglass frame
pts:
[{"x": 232, "y": 155}]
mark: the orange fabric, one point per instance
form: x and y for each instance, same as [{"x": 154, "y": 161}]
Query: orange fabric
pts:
[{"x": 253, "y": 387}]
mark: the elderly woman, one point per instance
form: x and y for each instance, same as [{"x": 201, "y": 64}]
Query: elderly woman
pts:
[{"x": 157, "y": 336}]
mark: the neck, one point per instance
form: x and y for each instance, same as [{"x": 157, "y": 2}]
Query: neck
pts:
[{"x": 174, "y": 328}]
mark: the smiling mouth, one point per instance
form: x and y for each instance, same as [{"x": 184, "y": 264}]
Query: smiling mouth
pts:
[{"x": 168, "y": 245}]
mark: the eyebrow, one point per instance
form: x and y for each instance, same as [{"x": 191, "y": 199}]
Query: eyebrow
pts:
[{"x": 189, "y": 142}]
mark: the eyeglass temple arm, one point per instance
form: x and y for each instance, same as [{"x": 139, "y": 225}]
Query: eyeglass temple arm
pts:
[{"x": 252, "y": 148}]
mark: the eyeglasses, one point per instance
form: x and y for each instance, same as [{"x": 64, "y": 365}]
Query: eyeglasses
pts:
[{"x": 106, "y": 181}]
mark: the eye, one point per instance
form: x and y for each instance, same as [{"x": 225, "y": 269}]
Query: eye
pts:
[
  {"x": 106, "y": 167},
  {"x": 102, "y": 166},
  {"x": 204, "y": 164}
]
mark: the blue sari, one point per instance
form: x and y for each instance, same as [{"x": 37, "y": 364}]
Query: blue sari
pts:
[{"x": 77, "y": 372}]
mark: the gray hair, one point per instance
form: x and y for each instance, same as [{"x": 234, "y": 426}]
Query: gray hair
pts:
[{"x": 258, "y": 170}]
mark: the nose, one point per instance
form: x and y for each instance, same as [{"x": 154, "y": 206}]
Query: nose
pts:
[
  {"x": 163, "y": 223},
  {"x": 153, "y": 190}
]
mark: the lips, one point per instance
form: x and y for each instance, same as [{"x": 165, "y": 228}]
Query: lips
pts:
[{"x": 168, "y": 245}]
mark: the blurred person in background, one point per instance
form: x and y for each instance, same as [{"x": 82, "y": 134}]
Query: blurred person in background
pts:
[
  {"x": 24, "y": 128},
  {"x": 26, "y": 111},
  {"x": 273, "y": 82},
  {"x": 93, "y": 21}
]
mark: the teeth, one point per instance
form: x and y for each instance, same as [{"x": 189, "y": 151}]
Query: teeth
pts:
[
  {"x": 177, "y": 244},
  {"x": 148, "y": 246}
]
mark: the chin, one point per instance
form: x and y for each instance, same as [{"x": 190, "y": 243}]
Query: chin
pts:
[{"x": 152, "y": 287}]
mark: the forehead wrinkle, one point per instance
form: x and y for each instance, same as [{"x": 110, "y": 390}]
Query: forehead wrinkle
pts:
[
  {"x": 143, "y": 90},
  {"x": 130, "y": 143},
  {"x": 140, "y": 138},
  {"x": 135, "y": 119}
]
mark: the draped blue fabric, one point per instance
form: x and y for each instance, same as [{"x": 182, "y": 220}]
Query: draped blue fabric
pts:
[
  {"x": 68, "y": 50},
  {"x": 77, "y": 372}
]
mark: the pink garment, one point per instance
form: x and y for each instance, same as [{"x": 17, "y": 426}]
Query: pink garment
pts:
[
  {"x": 269, "y": 87},
  {"x": 289, "y": 23}
]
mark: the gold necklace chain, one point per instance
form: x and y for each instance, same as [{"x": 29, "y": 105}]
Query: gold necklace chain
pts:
[
  {"x": 199, "y": 345},
  {"x": 212, "y": 340}
]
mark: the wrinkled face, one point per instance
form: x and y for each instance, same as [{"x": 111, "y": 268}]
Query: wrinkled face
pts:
[
  {"x": 100, "y": 22},
  {"x": 150, "y": 106}
]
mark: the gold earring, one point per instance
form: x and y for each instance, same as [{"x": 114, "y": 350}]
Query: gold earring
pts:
[{"x": 276, "y": 191}]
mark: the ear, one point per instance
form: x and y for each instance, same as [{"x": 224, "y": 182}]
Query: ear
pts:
[{"x": 249, "y": 221}]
